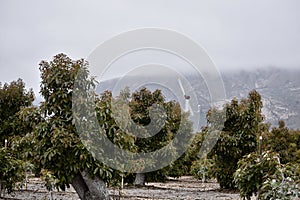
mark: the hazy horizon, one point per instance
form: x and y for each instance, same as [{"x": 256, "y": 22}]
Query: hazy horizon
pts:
[{"x": 235, "y": 34}]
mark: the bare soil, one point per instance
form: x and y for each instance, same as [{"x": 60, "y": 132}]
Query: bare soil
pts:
[{"x": 184, "y": 188}]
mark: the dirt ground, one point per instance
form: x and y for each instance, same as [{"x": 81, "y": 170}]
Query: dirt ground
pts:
[{"x": 184, "y": 188}]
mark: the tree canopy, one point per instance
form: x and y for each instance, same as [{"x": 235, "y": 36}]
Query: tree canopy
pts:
[
  {"x": 13, "y": 97},
  {"x": 238, "y": 136}
]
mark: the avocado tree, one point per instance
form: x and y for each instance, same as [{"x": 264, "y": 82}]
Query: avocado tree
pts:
[
  {"x": 252, "y": 172},
  {"x": 283, "y": 141},
  {"x": 274, "y": 175},
  {"x": 238, "y": 136},
  {"x": 166, "y": 129},
  {"x": 13, "y": 98},
  {"x": 153, "y": 125},
  {"x": 267, "y": 177},
  {"x": 57, "y": 146}
]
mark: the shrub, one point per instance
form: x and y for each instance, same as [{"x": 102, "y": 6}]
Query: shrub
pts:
[
  {"x": 12, "y": 171},
  {"x": 283, "y": 184},
  {"x": 249, "y": 176},
  {"x": 269, "y": 178}
]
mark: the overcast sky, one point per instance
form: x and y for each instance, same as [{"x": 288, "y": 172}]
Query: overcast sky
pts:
[{"x": 236, "y": 34}]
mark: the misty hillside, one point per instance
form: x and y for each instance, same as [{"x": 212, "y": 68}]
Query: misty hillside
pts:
[{"x": 280, "y": 90}]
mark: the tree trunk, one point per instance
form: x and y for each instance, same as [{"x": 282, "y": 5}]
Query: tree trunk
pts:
[
  {"x": 140, "y": 179},
  {"x": 89, "y": 189},
  {"x": 2, "y": 190}
]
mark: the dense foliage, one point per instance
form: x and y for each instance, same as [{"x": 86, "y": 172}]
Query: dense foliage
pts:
[
  {"x": 283, "y": 184},
  {"x": 12, "y": 171},
  {"x": 268, "y": 178},
  {"x": 13, "y": 100},
  {"x": 251, "y": 172},
  {"x": 146, "y": 107},
  {"x": 277, "y": 176},
  {"x": 238, "y": 136},
  {"x": 284, "y": 141},
  {"x": 140, "y": 105},
  {"x": 13, "y": 97},
  {"x": 57, "y": 146}
]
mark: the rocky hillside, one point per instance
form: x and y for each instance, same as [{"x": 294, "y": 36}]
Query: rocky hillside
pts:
[{"x": 280, "y": 90}]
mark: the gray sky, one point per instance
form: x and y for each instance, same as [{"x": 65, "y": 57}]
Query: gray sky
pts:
[{"x": 236, "y": 34}]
